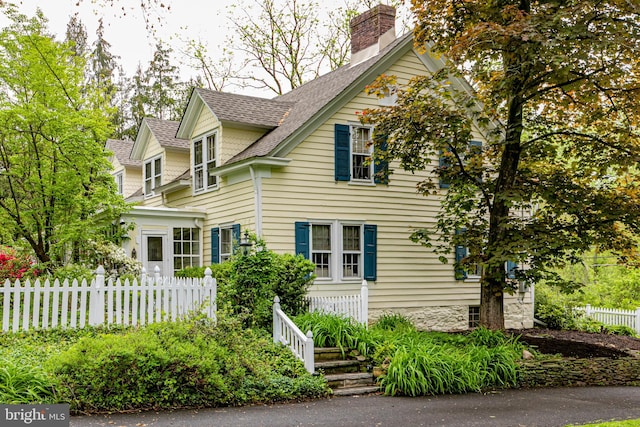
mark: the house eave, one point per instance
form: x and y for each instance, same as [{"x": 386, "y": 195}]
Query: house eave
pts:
[
  {"x": 254, "y": 161},
  {"x": 158, "y": 212},
  {"x": 174, "y": 186}
]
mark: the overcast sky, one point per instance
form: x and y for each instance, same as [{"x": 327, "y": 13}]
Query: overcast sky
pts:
[
  {"x": 204, "y": 20},
  {"x": 126, "y": 31}
]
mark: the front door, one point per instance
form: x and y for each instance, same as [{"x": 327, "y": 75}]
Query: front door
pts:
[{"x": 155, "y": 253}]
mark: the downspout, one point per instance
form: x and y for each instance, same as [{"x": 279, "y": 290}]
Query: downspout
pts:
[{"x": 257, "y": 200}]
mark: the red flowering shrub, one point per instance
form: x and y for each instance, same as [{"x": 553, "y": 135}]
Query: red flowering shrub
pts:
[{"x": 13, "y": 266}]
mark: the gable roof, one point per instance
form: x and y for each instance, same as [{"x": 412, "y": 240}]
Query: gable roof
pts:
[
  {"x": 165, "y": 133},
  {"x": 122, "y": 151},
  {"x": 312, "y": 101},
  {"x": 248, "y": 110}
]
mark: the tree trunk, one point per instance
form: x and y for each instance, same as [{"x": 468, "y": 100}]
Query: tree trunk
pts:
[{"x": 494, "y": 277}]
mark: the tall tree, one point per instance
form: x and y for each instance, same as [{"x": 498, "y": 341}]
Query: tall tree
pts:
[
  {"x": 557, "y": 89},
  {"x": 55, "y": 188},
  {"x": 163, "y": 85},
  {"x": 283, "y": 45},
  {"x": 76, "y": 34}
]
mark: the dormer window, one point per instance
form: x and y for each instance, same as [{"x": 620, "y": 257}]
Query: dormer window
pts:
[
  {"x": 152, "y": 175},
  {"x": 205, "y": 159}
]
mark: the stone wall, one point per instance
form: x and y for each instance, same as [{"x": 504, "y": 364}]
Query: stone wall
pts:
[
  {"x": 517, "y": 315},
  {"x": 451, "y": 318},
  {"x": 580, "y": 372}
]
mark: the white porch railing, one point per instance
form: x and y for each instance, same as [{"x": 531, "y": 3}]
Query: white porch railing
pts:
[
  {"x": 287, "y": 333},
  {"x": 73, "y": 304},
  {"x": 354, "y": 306},
  {"x": 608, "y": 316}
]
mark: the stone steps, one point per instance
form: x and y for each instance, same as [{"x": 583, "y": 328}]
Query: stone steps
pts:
[{"x": 346, "y": 375}]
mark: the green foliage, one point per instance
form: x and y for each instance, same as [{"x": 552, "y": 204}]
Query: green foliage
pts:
[
  {"x": 393, "y": 321},
  {"x": 24, "y": 383},
  {"x": 552, "y": 310},
  {"x": 190, "y": 363},
  {"x": 248, "y": 284},
  {"x": 332, "y": 330},
  {"x": 556, "y": 173},
  {"x": 55, "y": 188}
]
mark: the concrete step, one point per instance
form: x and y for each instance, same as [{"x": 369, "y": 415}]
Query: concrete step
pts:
[
  {"x": 352, "y": 379},
  {"x": 330, "y": 367},
  {"x": 327, "y": 353},
  {"x": 353, "y": 391}
]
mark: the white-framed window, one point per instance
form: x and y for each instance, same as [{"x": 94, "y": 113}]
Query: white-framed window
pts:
[
  {"x": 336, "y": 250},
  {"x": 205, "y": 159},
  {"x": 361, "y": 151},
  {"x": 119, "y": 178},
  {"x": 226, "y": 243},
  {"x": 152, "y": 175},
  {"x": 186, "y": 248}
]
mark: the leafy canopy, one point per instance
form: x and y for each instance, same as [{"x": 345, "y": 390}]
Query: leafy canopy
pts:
[
  {"x": 55, "y": 186},
  {"x": 554, "y": 93}
]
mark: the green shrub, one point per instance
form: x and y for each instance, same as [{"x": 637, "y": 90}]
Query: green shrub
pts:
[
  {"x": 393, "y": 321},
  {"x": 180, "y": 364},
  {"x": 551, "y": 309},
  {"x": 248, "y": 284}
]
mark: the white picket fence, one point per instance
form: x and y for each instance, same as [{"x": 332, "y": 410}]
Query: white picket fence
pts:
[
  {"x": 354, "y": 306},
  {"x": 614, "y": 317},
  {"x": 74, "y": 304},
  {"x": 286, "y": 332}
]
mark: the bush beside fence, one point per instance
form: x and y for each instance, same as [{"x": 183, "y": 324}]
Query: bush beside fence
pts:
[{"x": 612, "y": 317}]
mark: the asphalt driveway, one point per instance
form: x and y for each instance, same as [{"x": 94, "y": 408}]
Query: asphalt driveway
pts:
[{"x": 508, "y": 408}]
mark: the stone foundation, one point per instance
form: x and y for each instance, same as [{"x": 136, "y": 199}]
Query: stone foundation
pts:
[{"x": 517, "y": 315}]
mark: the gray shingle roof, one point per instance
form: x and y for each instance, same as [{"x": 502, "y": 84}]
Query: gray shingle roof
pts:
[
  {"x": 309, "y": 99},
  {"x": 122, "y": 151},
  {"x": 165, "y": 133},
  {"x": 250, "y": 110}
]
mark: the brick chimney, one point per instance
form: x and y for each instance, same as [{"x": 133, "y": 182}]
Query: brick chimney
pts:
[{"x": 371, "y": 32}]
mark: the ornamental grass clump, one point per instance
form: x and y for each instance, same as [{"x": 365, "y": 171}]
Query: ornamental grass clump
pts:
[
  {"x": 436, "y": 363},
  {"x": 333, "y": 330}
]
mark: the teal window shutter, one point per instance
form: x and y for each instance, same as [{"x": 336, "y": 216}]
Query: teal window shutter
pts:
[
  {"x": 381, "y": 166},
  {"x": 302, "y": 239},
  {"x": 511, "y": 268},
  {"x": 460, "y": 254},
  {"x": 370, "y": 251},
  {"x": 215, "y": 245},
  {"x": 342, "y": 153}
]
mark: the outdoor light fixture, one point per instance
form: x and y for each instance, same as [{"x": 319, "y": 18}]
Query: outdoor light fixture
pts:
[{"x": 245, "y": 243}]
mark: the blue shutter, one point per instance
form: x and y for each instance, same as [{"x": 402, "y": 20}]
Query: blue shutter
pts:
[
  {"x": 342, "y": 151},
  {"x": 460, "y": 253},
  {"x": 302, "y": 239},
  {"x": 370, "y": 251},
  {"x": 381, "y": 166},
  {"x": 511, "y": 267},
  {"x": 215, "y": 245}
]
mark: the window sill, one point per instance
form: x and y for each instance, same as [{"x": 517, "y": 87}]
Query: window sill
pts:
[
  {"x": 337, "y": 282},
  {"x": 472, "y": 279},
  {"x": 362, "y": 183}
]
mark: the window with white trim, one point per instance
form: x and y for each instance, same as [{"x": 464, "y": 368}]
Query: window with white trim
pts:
[
  {"x": 186, "y": 248},
  {"x": 361, "y": 151},
  {"x": 119, "y": 178},
  {"x": 205, "y": 152},
  {"x": 152, "y": 175},
  {"x": 336, "y": 250}
]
